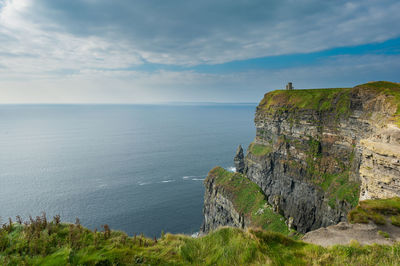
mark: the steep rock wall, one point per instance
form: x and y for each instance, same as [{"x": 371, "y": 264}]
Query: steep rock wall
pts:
[
  {"x": 380, "y": 165},
  {"x": 231, "y": 199},
  {"x": 315, "y": 149},
  {"x": 218, "y": 209}
]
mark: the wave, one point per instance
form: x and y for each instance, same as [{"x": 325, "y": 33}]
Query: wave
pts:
[
  {"x": 191, "y": 176},
  {"x": 198, "y": 179},
  {"x": 231, "y": 169},
  {"x": 167, "y": 181},
  {"x": 144, "y": 183}
]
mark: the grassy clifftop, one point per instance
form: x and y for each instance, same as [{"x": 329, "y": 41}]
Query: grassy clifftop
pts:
[
  {"x": 51, "y": 243},
  {"x": 314, "y": 99},
  {"x": 335, "y": 100}
]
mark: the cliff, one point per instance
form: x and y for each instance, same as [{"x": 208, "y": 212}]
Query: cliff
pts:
[
  {"x": 231, "y": 199},
  {"x": 317, "y": 152}
]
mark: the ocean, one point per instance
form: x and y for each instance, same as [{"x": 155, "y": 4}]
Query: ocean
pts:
[{"x": 137, "y": 168}]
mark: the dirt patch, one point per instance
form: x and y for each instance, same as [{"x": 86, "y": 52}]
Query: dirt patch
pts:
[{"x": 343, "y": 233}]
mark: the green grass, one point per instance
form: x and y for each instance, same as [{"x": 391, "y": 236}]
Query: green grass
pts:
[
  {"x": 323, "y": 100},
  {"x": 376, "y": 211},
  {"x": 384, "y": 234},
  {"x": 334, "y": 100},
  {"x": 248, "y": 200},
  {"x": 65, "y": 244},
  {"x": 259, "y": 149},
  {"x": 381, "y": 85},
  {"x": 395, "y": 220}
]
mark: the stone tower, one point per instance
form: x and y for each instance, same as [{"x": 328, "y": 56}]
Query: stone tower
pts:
[{"x": 289, "y": 86}]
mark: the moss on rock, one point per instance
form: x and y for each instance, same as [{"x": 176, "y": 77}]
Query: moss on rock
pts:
[
  {"x": 249, "y": 200},
  {"x": 260, "y": 149}
]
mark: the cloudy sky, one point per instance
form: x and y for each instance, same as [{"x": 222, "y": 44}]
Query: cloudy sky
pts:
[{"x": 102, "y": 51}]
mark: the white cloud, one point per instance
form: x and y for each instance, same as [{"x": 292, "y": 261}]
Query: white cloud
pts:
[
  {"x": 76, "y": 51},
  {"x": 100, "y": 86},
  {"x": 33, "y": 51}
]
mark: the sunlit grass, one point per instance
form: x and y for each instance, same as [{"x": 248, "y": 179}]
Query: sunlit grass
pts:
[{"x": 66, "y": 244}]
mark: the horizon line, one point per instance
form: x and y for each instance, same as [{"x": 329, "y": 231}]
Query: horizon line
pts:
[{"x": 149, "y": 103}]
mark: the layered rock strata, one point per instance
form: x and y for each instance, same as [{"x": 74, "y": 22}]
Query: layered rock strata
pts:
[
  {"x": 219, "y": 210},
  {"x": 322, "y": 146},
  {"x": 231, "y": 199},
  {"x": 316, "y": 152}
]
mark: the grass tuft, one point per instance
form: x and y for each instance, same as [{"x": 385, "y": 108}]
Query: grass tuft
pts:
[
  {"x": 32, "y": 243},
  {"x": 376, "y": 210},
  {"x": 384, "y": 234},
  {"x": 395, "y": 220}
]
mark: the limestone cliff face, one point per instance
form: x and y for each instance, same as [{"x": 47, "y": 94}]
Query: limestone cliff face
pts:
[
  {"x": 380, "y": 165},
  {"x": 231, "y": 199},
  {"x": 218, "y": 209},
  {"x": 315, "y": 149},
  {"x": 316, "y": 153}
]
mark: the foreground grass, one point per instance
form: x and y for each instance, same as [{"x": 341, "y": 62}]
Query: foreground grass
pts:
[
  {"x": 54, "y": 243},
  {"x": 376, "y": 211}
]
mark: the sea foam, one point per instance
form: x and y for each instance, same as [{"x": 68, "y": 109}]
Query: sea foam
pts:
[{"x": 231, "y": 169}]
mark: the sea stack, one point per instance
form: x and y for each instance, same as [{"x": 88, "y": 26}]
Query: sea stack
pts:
[{"x": 239, "y": 160}]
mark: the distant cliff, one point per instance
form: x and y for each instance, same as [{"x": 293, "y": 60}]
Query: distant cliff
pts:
[{"x": 317, "y": 152}]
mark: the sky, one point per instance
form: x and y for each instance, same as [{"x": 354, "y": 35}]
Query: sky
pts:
[{"x": 153, "y": 51}]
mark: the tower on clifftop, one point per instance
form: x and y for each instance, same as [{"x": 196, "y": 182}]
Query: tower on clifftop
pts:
[{"x": 289, "y": 86}]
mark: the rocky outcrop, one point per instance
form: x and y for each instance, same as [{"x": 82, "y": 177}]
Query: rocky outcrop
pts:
[
  {"x": 239, "y": 160},
  {"x": 218, "y": 209},
  {"x": 314, "y": 149},
  {"x": 231, "y": 199},
  {"x": 344, "y": 233},
  {"x": 316, "y": 153}
]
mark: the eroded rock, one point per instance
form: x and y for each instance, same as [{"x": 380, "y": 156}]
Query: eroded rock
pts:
[{"x": 239, "y": 160}]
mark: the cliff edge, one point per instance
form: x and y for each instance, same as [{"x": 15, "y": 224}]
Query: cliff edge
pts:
[
  {"x": 231, "y": 199},
  {"x": 318, "y": 151}
]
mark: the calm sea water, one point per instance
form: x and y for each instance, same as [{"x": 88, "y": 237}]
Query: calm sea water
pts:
[{"x": 137, "y": 168}]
